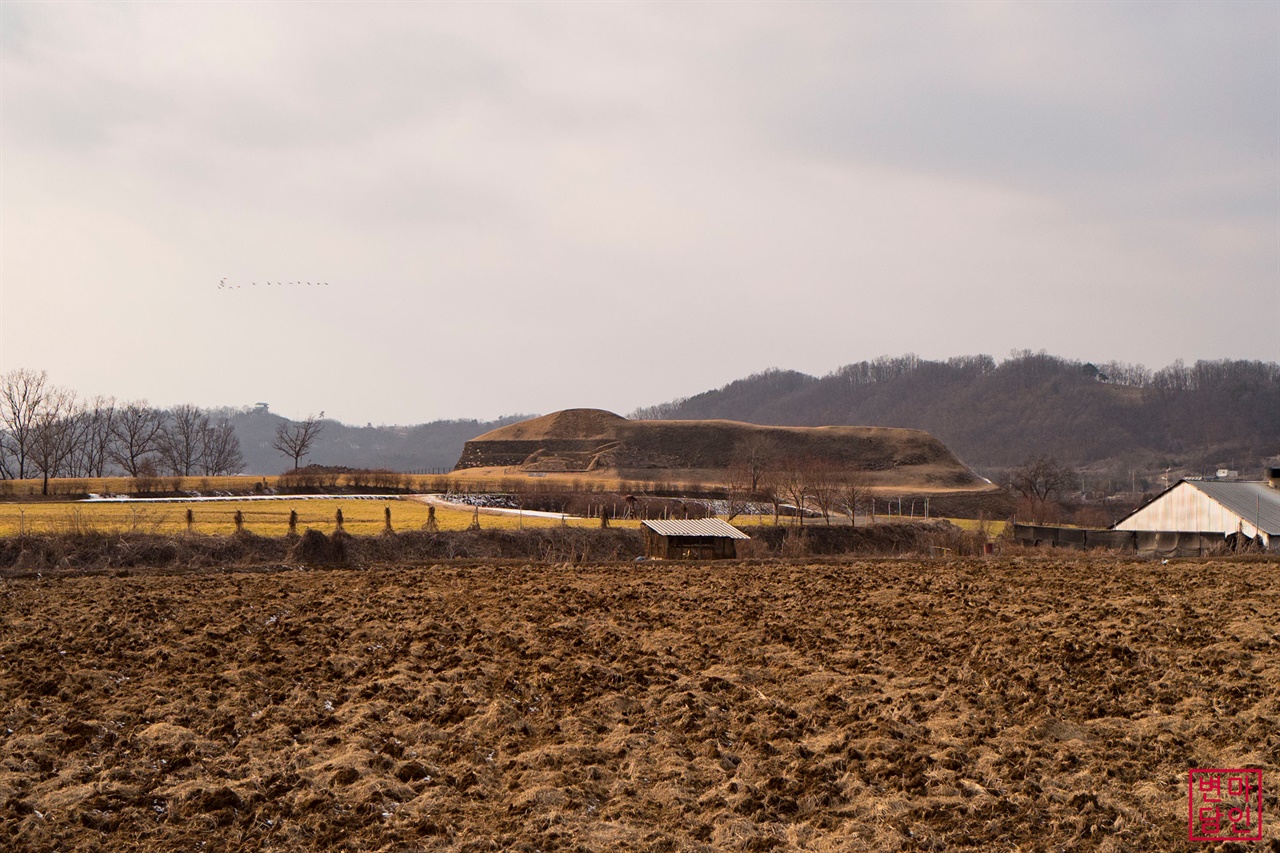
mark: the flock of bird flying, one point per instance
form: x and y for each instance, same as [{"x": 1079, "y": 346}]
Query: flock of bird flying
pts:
[{"x": 222, "y": 285}]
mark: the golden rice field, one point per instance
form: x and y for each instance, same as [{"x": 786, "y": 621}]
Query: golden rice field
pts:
[
  {"x": 263, "y": 517},
  {"x": 973, "y": 525},
  {"x": 271, "y": 517}
]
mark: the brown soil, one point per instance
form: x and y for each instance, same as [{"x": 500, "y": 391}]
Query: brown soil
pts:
[{"x": 1028, "y": 704}]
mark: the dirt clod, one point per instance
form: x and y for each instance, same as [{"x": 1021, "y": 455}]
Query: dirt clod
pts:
[{"x": 870, "y": 705}]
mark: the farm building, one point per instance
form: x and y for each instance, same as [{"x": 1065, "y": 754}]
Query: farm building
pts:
[
  {"x": 692, "y": 539},
  {"x": 1247, "y": 511}
]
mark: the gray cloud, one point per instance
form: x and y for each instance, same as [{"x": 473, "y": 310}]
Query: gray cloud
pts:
[
  {"x": 1103, "y": 94},
  {"x": 525, "y": 200}
]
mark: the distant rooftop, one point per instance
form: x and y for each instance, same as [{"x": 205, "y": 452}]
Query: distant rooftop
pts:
[{"x": 696, "y": 527}]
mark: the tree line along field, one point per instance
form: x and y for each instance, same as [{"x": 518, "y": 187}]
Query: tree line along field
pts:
[
  {"x": 262, "y": 517},
  {"x": 244, "y": 484},
  {"x": 888, "y": 705},
  {"x": 63, "y": 486},
  {"x": 457, "y": 481}
]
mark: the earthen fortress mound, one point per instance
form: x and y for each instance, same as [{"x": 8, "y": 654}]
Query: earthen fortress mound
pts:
[{"x": 590, "y": 440}]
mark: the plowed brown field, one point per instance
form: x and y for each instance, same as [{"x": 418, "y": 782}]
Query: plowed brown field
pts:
[{"x": 1034, "y": 704}]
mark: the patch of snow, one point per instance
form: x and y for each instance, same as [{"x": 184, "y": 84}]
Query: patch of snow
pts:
[{"x": 229, "y": 497}]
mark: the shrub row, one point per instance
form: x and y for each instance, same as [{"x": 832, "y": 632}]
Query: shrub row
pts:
[{"x": 91, "y": 552}]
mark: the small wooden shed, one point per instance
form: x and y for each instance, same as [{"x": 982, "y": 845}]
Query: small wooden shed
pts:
[{"x": 691, "y": 539}]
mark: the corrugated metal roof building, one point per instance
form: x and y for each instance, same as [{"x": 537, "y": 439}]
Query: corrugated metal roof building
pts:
[
  {"x": 691, "y": 539},
  {"x": 1247, "y": 510}
]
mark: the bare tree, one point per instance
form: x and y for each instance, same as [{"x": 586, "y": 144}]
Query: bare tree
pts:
[
  {"x": 295, "y": 439},
  {"x": 53, "y": 435},
  {"x": 769, "y": 488},
  {"x": 853, "y": 493},
  {"x": 1041, "y": 478},
  {"x": 757, "y": 453},
  {"x": 22, "y": 397},
  {"x": 220, "y": 450},
  {"x": 737, "y": 488},
  {"x": 823, "y": 486},
  {"x": 94, "y": 439},
  {"x": 794, "y": 482},
  {"x": 180, "y": 439},
  {"x": 659, "y": 412},
  {"x": 136, "y": 430}
]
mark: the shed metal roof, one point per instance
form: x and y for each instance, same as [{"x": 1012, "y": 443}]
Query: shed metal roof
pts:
[
  {"x": 696, "y": 527},
  {"x": 1250, "y": 501}
]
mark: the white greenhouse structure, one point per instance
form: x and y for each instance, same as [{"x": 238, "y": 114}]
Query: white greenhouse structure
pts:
[{"x": 1249, "y": 510}]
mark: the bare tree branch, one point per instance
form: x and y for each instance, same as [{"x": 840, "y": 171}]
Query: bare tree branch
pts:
[
  {"x": 53, "y": 434},
  {"x": 94, "y": 440},
  {"x": 1041, "y": 478},
  {"x": 824, "y": 486},
  {"x": 22, "y": 397},
  {"x": 179, "y": 440},
  {"x": 853, "y": 494},
  {"x": 295, "y": 439},
  {"x": 136, "y": 430},
  {"x": 220, "y": 450}
]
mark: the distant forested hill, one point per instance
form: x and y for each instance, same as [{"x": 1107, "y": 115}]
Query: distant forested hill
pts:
[
  {"x": 435, "y": 445},
  {"x": 1110, "y": 418},
  {"x": 1113, "y": 415}
]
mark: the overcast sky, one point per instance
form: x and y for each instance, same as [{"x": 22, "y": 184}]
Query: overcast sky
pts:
[{"x": 531, "y": 206}]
